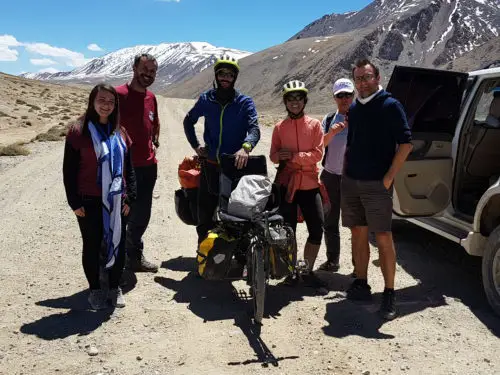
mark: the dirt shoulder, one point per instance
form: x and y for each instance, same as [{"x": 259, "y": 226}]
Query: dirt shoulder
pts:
[{"x": 175, "y": 323}]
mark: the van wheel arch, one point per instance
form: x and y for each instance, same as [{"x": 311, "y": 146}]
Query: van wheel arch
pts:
[
  {"x": 490, "y": 216},
  {"x": 491, "y": 270}
]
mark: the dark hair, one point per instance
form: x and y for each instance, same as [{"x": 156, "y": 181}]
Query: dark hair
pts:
[
  {"x": 362, "y": 62},
  {"x": 139, "y": 56},
  {"x": 92, "y": 115}
]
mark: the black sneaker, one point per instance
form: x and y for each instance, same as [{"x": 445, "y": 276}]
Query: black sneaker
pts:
[
  {"x": 359, "y": 291},
  {"x": 388, "y": 306},
  {"x": 329, "y": 266},
  {"x": 141, "y": 265}
]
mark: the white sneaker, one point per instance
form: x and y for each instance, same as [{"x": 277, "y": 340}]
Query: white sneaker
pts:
[
  {"x": 97, "y": 299},
  {"x": 116, "y": 297}
]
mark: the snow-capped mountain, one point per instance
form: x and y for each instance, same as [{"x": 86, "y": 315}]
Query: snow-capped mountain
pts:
[
  {"x": 426, "y": 32},
  {"x": 176, "y": 61}
]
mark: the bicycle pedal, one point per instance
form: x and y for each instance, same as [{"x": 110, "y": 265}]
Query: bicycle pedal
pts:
[{"x": 302, "y": 266}]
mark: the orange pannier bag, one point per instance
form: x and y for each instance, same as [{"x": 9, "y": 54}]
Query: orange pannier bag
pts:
[{"x": 189, "y": 172}]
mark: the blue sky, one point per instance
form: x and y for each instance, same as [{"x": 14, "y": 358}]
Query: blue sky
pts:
[{"x": 60, "y": 35}]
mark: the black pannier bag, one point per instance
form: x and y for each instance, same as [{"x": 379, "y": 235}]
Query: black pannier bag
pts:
[{"x": 186, "y": 206}]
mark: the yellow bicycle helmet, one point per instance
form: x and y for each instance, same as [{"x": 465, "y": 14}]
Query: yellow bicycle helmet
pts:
[
  {"x": 294, "y": 86},
  {"x": 226, "y": 61}
]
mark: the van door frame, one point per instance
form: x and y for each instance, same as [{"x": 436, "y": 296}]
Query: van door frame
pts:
[
  {"x": 466, "y": 120},
  {"x": 465, "y": 98}
]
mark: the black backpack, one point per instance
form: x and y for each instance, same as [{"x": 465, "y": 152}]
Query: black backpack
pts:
[{"x": 186, "y": 205}]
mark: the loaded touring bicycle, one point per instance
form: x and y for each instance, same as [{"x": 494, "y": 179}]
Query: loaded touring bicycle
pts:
[{"x": 249, "y": 233}]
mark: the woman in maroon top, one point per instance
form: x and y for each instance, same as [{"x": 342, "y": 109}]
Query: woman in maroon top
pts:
[{"x": 85, "y": 180}]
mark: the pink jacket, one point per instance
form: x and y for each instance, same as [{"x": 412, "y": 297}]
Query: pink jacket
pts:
[{"x": 304, "y": 138}]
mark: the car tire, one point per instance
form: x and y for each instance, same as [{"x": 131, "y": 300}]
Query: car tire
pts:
[{"x": 491, "y": 270}]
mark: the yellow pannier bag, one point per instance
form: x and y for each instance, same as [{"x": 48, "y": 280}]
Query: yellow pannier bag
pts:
[{"x": 214, "y": 255}]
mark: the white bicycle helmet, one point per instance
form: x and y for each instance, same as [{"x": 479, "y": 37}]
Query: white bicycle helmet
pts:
[{"x": 294, "y": 86}]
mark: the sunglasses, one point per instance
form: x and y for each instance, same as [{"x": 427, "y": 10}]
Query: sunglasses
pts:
[
  {"x": 294, "y": 98},
  {"x": 365, "y": 78},
  {"x": 344, "y": 95},
  {"x": 225, "y": 74}
]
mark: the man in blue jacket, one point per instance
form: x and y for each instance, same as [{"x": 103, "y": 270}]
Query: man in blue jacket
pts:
[{"x": 231, "y": 127}]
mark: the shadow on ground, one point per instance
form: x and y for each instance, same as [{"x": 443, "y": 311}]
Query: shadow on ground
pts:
[
  {"x": 77, "y": 321},
  {"x": 221, "y": 300},
  {"x": 444, "y": 271}
]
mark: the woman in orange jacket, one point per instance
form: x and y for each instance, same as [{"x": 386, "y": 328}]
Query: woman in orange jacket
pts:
[{"x": 297, "y": 145}]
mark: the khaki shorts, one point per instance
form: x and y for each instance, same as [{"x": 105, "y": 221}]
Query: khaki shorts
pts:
[{"x": 366, "y": 203}]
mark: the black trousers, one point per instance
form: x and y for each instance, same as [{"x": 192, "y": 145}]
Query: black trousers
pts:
[
  {"x": 311, "y": 206},
  {"x": 140, "y": 210},
  {"x": 208, "y": 198},
  {"x": 93, "y": 256},
  {"x": 331, "y": 226}
]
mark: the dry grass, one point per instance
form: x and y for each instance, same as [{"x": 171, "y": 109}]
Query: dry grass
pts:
[
  {"x": 14, "y": 149},
  {"x": 55, "y": 133},
  {"x": 270, "y": 118}
]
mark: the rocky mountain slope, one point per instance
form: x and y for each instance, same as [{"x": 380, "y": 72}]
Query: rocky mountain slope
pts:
[{"x": 428, "y": 32}]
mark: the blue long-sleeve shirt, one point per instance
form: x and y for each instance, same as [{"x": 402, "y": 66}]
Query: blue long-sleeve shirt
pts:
[{"x": 227, "y": 127}]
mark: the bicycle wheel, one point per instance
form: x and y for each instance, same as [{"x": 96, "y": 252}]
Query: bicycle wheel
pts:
[{"x": 258, "y": 282}]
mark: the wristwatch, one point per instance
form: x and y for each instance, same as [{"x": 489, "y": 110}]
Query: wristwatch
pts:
[
  {"x": 156, "y": 143},
  {"x": 247, "y": 147}
]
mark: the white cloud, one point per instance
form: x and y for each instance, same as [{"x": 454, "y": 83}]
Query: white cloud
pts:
[
  {"x": 43, "y": 62},
  {"x": 94, "y": 47},
  {"x": 169, "y": 1},
  {"x": 7, "y": 53},
  {"x": 48, "y": 70},
  {"x": 9, "y": 41},
  {"x": 63, "y": 55},
  {"x": 72, "y": 58}
]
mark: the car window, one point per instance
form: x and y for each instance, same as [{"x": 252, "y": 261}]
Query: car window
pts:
[{"x": 488, "y": 104}]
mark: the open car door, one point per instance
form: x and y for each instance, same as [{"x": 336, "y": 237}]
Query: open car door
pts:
[{"x": 432, "y": 100}]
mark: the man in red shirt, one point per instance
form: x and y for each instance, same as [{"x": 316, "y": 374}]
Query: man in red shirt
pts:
[{"x": 139, "y": 116}]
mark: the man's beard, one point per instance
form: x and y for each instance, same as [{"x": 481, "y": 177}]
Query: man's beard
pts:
[
  {"x": 230, "y": 85},
  {"x": 145, "y": 83}
]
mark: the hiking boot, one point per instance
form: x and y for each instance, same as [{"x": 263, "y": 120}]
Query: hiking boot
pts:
[
  {"x": 329, "y": 266},
  {"x": 311, "y": 280},
  {"x": 97, "y": 299},
  {"x": 116, "y": 297},
  {"x": 388, "y": 306},
  {"x": 359, "y": 291},
  {"x": 140, "y": 265}
]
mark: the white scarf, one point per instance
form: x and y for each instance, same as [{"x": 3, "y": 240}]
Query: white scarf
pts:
[{"x": 366, "y": 100}]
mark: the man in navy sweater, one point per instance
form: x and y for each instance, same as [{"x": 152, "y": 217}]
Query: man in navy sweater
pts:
[{"x": 378, "y": 143}]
